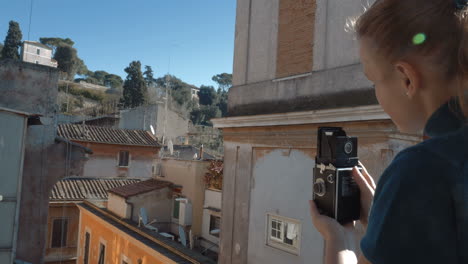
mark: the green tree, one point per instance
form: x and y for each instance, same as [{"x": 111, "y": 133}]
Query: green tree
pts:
[
  {"x": 67, "y": 59},
  {"x": 12, "y": 42},
  {"x": 113, "y": 81},
  {"x": 81, "y": 68},
  {"x": 222, "y": 102},
  {"x": 1, "y": 47},
  {"x": 207, "y": 95},
  {"x": 134, "y": 89},
  {"x": 56, "y": 42},
  {"x": 224, "y": 80},
  {"x": 203, "y": 114},
  {"x": 148, "y": 74},
  {"x": 181, "y": 91}
]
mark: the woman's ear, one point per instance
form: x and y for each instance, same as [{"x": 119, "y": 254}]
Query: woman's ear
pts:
[{"x": 409, "y": 77}]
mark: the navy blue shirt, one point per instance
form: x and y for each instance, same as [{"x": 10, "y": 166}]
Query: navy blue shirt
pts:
[{"x": 420, "y": 208}]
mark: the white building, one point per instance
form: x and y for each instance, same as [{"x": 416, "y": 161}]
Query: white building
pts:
[{"x": 38, "y": 53}]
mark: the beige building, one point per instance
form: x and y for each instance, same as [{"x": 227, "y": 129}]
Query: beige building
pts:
[
  {"x": 37, "y": 53},
  {"x": 295, "y": 69}
]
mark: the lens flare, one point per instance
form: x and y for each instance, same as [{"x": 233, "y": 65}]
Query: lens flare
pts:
[{"x": 419, "y": 39}]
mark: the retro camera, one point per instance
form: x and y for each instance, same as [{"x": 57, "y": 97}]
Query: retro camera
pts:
[{"x": 336, "y": 194}]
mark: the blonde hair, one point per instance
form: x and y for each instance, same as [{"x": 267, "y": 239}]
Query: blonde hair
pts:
[{"x": 437, "y": 29}]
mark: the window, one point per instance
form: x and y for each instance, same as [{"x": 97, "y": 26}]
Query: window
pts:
[
  {"x": 175, "y": 211},
  {"x": 37, "y": 62},
  {"x": 59, "y": 233},
  {"x": 102, "y": 253},
  {"x": 86, "y": 248},
  {"x": 38, "y": 51},
  {"x": 283, "y": 233},
  {"x": 123, "y": 158},
  {"x": 215, "y": 225}
]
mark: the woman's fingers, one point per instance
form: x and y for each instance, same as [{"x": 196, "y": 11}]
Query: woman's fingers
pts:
[
  {"x": 313, "y": 210},
  {"x": 367, "y": 176}
]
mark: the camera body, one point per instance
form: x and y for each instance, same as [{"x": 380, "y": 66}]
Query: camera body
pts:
[{"x": 335, "y": 192}]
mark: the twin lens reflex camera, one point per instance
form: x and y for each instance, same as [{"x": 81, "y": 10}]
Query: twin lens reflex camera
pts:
[{"x": 335, "y": 192}]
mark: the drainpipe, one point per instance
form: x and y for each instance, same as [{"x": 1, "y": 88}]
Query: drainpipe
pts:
[
  {"x": 201, "y": 153},
  {"x": 131, "y": 210}
]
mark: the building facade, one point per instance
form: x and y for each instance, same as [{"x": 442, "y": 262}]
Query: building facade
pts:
[
  {"x": 37, "y": 53},
  {"x": 63, "y": 219},
  {"x": 35, "y": 158},
  {"x": 295, "y": 69},
  {"x": 105, "y": 238},
  {"x": 116, "y": 152}
]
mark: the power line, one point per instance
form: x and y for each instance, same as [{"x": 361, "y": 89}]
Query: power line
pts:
[{"x": 30, "y": 18}]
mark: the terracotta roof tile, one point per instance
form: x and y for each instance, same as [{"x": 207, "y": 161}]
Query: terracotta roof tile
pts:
[
  {"x": 79, "y": 189},
  {"x": 139, "y": 188},
  {"x": 107, "y": 135}
]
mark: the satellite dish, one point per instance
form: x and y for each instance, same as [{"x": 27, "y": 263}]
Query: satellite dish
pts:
[
  {"x": 170, "y": 146},
  {"x": 152, "y": 130},
  {"x": 195, "y": 156}
]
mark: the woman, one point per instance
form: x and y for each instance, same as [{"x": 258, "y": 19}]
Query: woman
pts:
[{"x": 416, "y": 54}]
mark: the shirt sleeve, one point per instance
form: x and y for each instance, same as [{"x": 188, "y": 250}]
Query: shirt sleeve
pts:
[{"x": 411, "y": 219}]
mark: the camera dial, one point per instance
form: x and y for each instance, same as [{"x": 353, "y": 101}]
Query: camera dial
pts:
[
  {"x": 348, "y": 147},
  {"x": 319, "y": 187}
]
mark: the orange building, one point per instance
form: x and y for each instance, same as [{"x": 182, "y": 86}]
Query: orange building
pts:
[
  {"x": 63, "y": 219},
  {"x": 106, "y": 238}
]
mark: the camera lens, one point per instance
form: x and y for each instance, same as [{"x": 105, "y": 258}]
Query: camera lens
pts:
[
  {"x": 319, "y": 187},
  {"x": 348, "y": 147}
]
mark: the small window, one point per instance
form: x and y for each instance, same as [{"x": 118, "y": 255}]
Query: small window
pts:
[
  {"x": 86, "y": 248},
  {"x": 283, "y": 233},
  {"x": 102, "y": 253},
  {"x": 215, "y": 225},
  {"x": 59, "y": 233},
  {"x": 38, "y": 51},
  {"x": 123, "y": 158},
  {"x": 175, "y": 212},
  {"x": 37, "y": 62}
]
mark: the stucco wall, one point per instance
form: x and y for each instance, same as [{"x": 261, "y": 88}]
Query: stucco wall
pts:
[
  {"x": 28, "y": 87},
  {"x": 33, "y": 88},
  {"x": 11, "y": 161},
  {"x": 188, "y": 174},
  {"x": 29, "y": 54},
  {"x": 157, "y": 203},
  {"x": 103, "y": 163},
  {"x": 117, "y": 205},
  {"x": 153, "y": 115},
  {"x": 269, "y": 170},
  {"x": 118, "y": 243},
  {"x": 213, "y": 200}
]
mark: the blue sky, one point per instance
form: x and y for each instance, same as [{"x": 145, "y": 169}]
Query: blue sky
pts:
[{"x": 197, "y": 35}]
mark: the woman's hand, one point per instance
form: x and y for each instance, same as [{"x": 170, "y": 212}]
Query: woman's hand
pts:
[{"x": 367, "y": 187}]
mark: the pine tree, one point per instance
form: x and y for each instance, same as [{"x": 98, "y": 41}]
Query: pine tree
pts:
[
  {"x": 12, "y": 42},
  {"x": 134, "y": 89},
  {"x": 149, "y": 77}
]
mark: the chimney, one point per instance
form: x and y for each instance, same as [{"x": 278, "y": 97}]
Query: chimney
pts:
[{"x": 201, "y": 152}]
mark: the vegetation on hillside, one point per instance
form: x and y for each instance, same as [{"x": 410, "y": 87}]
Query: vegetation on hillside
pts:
[{"x": 12, "y": 42}]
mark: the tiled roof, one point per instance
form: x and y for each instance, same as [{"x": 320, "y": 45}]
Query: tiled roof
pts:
[
  {"x": 107, "y": 135},
  {"x": 79, "y": 189},
  {"x": 38, "y": 44},
  {"x": 139, "y": 188}
]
